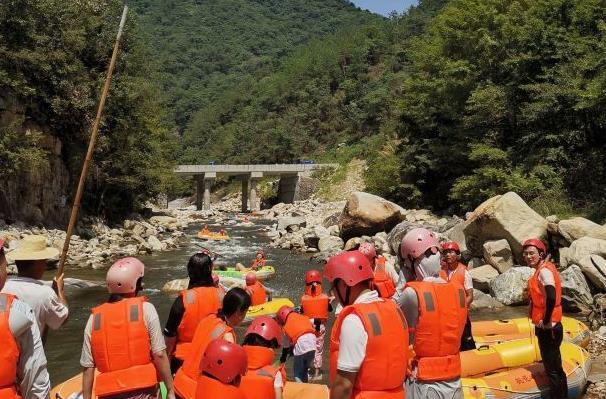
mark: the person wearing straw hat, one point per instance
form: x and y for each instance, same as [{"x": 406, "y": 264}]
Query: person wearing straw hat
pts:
[
  {"x": 23, "y": 372},
  {"x": 49, "y": 304}
]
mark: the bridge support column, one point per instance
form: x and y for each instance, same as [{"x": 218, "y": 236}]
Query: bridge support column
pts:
[
  {"x": 245, "y": 194},
  {"x": 288, "y": 189},
  {"x": 199, "y": 192},
  {"x": 255, "y": 203},
  {"x": 204, "y": 185}
]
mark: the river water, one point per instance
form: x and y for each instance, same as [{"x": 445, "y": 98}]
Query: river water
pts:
[{"x": 63, "y": 347}]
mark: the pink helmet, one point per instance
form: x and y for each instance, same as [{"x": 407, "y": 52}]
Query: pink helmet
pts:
[
  {"x": 283, "y": 313},
  {"x": 251, "y": 278},
  {"x": 266, "y": 328},
  {"x": 123, "y": 275},
  {"x": 416, "y": 242},
  {"x": 352, "y": 267},
  {"x": 224, "y": 360},
  {"x": 368, "y": 249}
]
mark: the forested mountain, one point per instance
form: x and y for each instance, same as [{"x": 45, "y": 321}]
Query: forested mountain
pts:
[{"x": 205, "y": 47}]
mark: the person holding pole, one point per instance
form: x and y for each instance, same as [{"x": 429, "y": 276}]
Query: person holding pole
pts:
[{"x": 49, "y": 304}]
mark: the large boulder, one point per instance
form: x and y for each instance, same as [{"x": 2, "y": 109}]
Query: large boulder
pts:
[
  {"x": 286, "y": 222},
  {"x": 498, "y": 254},
  {"x": 589, "y": 253},
  {"x": 484, "y": 301},
  {"x": 575, "y": 228},
  {"x": 457, "y": 235},
  {"x": 367, "y": 214},
  {"x": 511, "y": 287},
  {"x": 503, "y": 217},
  {"x": 482, "y": 276},
  {"x": 154, "y": 243},
  {"x": 395, "y": 235},
  {"x": 576, "y": 296},
  {"x": 330, "y": 244}
]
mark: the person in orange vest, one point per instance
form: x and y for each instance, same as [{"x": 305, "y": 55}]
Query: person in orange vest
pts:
[
  {"x": 299, "y": 339},
  {"x": 220, "y": 372},
  {"x": 259, "y": 261},
  {"x": 316, "y": 305},
  {"x": 545, "y": 292},
  {"x": 221, "y": 325},
  {"x": 123, "y": 341},
  {"x": 454, "y": 270},
  {"x": 23, "y": 371},
  {"x": 369, "y": 340},
  {"x": 386, "y": 279},
  {"x": 256, "y": 290},
  {"x": 262, "y": 380},
  {"x": 431, "y": 303},
  {"x": 205, "y": 230},
  {"x": 192, "y": 305}
]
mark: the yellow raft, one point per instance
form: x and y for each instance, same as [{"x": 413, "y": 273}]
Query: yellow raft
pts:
[
  {"x": 497, "y": 331},
  {"x": 513, "y": 370},
  {"x": 292, "y": 390},
  {"x": 212, "y": 236},
  {"x": 267, "y": 309}
]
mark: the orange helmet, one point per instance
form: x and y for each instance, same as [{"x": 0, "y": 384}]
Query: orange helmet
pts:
[{"x": 313, "y": 276}]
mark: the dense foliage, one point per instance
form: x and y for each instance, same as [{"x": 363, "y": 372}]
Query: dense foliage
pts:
[{"x": 53, "y": 58}]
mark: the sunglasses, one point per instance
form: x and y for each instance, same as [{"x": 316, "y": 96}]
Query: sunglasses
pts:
[{"x": 205, "y": 251}]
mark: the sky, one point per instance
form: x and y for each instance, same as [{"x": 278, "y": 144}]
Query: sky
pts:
[{"x": 384, "y": 7}]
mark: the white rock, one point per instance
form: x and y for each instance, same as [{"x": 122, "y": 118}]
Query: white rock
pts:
[
  {"x": 511, "y": 287},
  {"x": 330, "y": 243},
  {"x": 482, "y": 276},
  {"x": 498, "y": 254},
  {"x": 366, "y": 213},
  {"x": 154, "y": 243},
  {"x": 576, "y": 295},
  {"x": 484, "y": 301},
  {"x": 575, "y": 228},
  {"x": 588, "y": 253}
]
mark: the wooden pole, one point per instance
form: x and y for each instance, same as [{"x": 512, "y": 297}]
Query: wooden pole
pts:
[{"x": 91, "y": 147}]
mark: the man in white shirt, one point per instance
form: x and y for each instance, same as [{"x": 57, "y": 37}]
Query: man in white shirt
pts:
[
  {"x": 32, "y": 380},
  {"x": 49, "y": 304},
  {"x": 369, "y": 342}
]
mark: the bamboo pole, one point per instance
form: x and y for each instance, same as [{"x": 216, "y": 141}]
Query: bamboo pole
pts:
[{"x": 91, "y": 147}]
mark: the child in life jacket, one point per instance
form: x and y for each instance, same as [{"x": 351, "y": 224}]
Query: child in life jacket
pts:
[
  {"x": 256, "y": 290},
  {"x": 299, "y": 339},
  {"x": 259, "y": 261},
  {"x": 263, "y": 380},
  {"x": 221, "y": 369},
  {"x": 316, "y": 305}
]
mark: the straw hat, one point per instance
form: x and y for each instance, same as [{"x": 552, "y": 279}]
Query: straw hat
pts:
[{"x": 33, "y": 248}]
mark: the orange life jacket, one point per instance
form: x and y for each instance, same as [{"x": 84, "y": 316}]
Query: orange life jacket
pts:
[
  {"x": 458, "y": 275},
  {"x": 442, "y": 317},
  {"x": 382, "y": 373},
  {"x": 259, "y": 263},
  {"x": 382, "y": 282},
  {"x": 209, "y": 388},
  {"x": 198, "y": 303},
  {"x": 9, "y": 351},
  {"x": 211, "y": 327},
  {"x": 121, "y": 348},
  {"x": 537, "y": 295},
  {"x": 258, "y": 383},
  {"x": 315, "y": 305},
  {"x": 258, "y": 295},
  {"x": 297, "y": 325}
]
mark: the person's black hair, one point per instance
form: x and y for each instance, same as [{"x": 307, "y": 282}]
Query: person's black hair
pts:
[
  {"x": 118, "y": 297},
  {"x": 200, "y": 271},
  {"x": 257, "y": 340},
  {"x": 235, "y": 300}
]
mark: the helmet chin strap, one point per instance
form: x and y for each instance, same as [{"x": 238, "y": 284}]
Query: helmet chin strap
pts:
[{"x": 347, "y": 294}]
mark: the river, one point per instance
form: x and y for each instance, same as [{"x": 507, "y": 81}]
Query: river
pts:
[{"x": 63, "y": 346}]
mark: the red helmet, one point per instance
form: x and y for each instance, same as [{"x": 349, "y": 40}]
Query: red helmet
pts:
[
  {"x": 368, "y": 249},
  {"x": 224, "y": 360},
  {"x": 313, "y": 276},
  {"x": 283, "y": 313},
  {"x": 535, "y": 242},
  {"x": 123, "y": 275},
  {"x": 251, "y": 278},
  {"x": 451, "y": 246},
  {"x": 416, "y": 242},
  {"x": 352, "y": 267},
  {"x": 266, "y": 328}
]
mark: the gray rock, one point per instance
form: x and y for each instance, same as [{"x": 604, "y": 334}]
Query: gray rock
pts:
[
  {"x": 563, "y": 256},
  {"x": 553, "y": 219},
  {"x": 511, "y": 287},
  {"x": 163, "y": 220},
  {"x": 575, "y": 228},
  {"x": 482, "y": 276},
  {"x": 285, "y": 222},
  {"x": 576, "y": 296},
  {"x": 498, "y": 254},
  {"x": 330, "y": 243},
  {"x": 588, "y": 253},
  {"x": 365, "y": 213},
  {"x": 154, "y": 243},
  {"x": 334, "y": 230},
  {"x": 352, "y": 243},
  {"x": 457, "y": 235},
  {"x": 484, "y": 301},
  {"x": 503, "y": 217},
  {"x": 321, "y": 231},
  {"x": 311, "y": 240},
  {"x": 475, "y": 263}
]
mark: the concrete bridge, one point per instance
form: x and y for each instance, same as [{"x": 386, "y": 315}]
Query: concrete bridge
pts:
[{"x": 289, "y": 174}]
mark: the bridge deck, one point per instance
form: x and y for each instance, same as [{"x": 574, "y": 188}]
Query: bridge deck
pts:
[{"x": 233, "y": 170}]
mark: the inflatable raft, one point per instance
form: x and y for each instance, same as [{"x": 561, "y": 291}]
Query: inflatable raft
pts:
[
  {"x": 267, "y": 309},
  {"x": 263, "y": 273},
  {"x": 513, "y": 370},
  {"x": 292, "y": 390},
  {"x": 212, "y": 236},
  {"x": 497, "y": 331}
]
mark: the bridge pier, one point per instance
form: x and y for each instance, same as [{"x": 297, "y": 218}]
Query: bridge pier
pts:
[
  {"x": 255, "y": 204},
  {"x": 289, "y": 188},
  {"x": 204, "y": 185},
  {"x": 245, "y": 195}
]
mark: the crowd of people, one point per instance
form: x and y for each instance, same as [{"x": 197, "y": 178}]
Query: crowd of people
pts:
[{"x": 391, "y": 338}]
